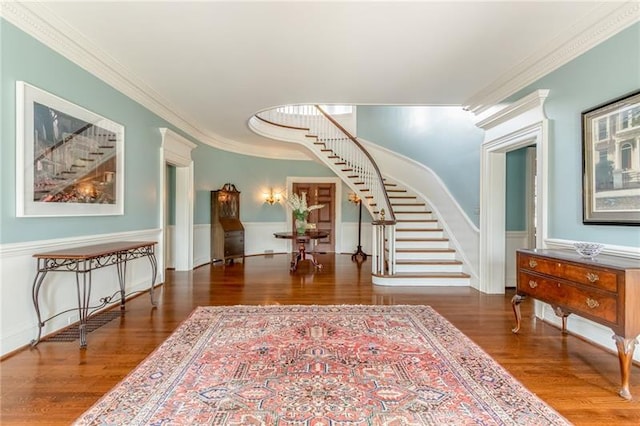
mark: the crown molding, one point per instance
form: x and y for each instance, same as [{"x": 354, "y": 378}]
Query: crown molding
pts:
[
  {"x": 37, "y": 20},
  {"x": 530, "y": 102},
  {"x": 589, "y": 32}
]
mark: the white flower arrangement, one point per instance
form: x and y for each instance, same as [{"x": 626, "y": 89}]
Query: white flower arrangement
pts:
[{"x": 298, "y": 204}]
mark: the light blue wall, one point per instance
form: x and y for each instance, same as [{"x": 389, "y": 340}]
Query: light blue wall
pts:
[
  {"x": 444, "y": 139},
  {"x": 24, "y": 58},
  {"x": 516, "y": 190},
  {"x": 607, "y": 71},
  {"x": 44, "y": 68},
  {"x": 252, "y": 176}
]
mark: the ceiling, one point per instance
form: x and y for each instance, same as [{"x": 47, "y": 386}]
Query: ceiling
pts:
[{"x": 208, "y": 66}]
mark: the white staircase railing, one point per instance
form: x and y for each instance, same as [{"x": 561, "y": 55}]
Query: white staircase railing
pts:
[
  {"x": 75, "y": 157},
  {"x": 344, "y": 154}
]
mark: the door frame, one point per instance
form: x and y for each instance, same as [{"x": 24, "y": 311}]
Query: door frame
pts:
[
  {"x": 176, "y": 150},
  {"x": 516, "y": 126},
  {"x": 530, "y": 202},
  {"x": 290, "y": 180}
]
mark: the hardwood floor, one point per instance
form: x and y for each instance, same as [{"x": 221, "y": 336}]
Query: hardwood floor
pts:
[{"x": 56, "y": 382}]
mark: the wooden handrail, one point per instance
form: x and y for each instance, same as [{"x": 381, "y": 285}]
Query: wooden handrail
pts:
[
  {"x": 280, "y": 125},
  {"x": 63, "y": 141},
  {"x": 366, "y": 153}
]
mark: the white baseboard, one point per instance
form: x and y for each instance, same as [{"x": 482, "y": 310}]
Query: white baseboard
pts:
[
  {"x": 514, "y": 241},
  {"x": 586, "y": 329}
]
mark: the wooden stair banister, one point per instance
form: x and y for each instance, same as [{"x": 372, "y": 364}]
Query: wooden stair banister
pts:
[{"x": 355, "y": 141}]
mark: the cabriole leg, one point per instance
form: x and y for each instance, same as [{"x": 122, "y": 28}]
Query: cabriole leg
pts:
[
  {"x": 626, "y": 348},
  {"x": 515, "y": 304}
]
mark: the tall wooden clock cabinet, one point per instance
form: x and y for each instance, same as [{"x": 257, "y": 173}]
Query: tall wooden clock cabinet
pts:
[{"x": 227, "y": 232}]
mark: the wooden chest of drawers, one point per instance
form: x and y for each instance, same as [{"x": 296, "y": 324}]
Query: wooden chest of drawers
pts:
[
  {"x": 605, "y": 290},
  {"x": 233, "y": 244}
]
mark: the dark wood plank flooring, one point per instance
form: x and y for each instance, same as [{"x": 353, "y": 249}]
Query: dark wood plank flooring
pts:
[{"x": 56, "y": 382}]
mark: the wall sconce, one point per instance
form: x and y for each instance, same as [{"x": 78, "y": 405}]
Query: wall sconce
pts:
[
  {"x": 353, "y": 197},
  {"x": 271, "y": 197}
]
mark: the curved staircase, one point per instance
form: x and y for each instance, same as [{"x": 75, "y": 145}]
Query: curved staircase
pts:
[
  {"x": 410, "y": 247},
  {"x": 423, "y": 252}
]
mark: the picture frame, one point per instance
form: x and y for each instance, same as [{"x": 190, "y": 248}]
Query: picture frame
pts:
[
  {"x": 69, "y": 160},
  {"x": 611, "y": 162}
]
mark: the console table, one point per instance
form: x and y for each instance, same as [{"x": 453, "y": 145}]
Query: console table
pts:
[
  {"x": 302, "y": 240},
  {"x": 605, "y": 290},
  {"x": 83, "y": 260}
]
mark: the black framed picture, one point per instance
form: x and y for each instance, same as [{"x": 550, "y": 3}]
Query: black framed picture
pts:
[{"x": 611, "y": 162}]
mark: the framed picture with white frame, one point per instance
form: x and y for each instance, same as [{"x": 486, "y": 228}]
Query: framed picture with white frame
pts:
[
  {"x": 611, "y": 162},
  {"x": 69, "y": 160}
]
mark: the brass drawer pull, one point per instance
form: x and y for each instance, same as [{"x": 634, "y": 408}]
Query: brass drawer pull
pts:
[
  {"x": 592, "y": 277},
  {"x": 533, "y": 284},
  {"x": 592, "y": 303},
  {"x": 532, "y": 263}
]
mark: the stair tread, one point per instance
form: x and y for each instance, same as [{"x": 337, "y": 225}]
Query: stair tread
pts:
[
  {"x": 411, "y": 229},
  {"x": 408, "y": 204},
  {"x": 423, "y": 239},
  {"x": 411, "y": 212},
  {"x": 416, "y": 220},
  {"x": 425, "y": 275},
  {"x": 427, "y": 262},
  {"x": 426, "y": 250}
]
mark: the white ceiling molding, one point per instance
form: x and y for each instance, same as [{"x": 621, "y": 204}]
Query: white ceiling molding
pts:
[
  {"x": 591, "y": 31},
  {"x": 530, "y": 102},
  {"x": 39, "y": 20},
  {"x": 35, "y": 19}
]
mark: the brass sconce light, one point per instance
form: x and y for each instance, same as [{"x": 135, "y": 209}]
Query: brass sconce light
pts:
[{"x": 271, "y": 197}]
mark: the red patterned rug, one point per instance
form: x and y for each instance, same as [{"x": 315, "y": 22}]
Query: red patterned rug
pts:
[{"x": 319, "y": 365}]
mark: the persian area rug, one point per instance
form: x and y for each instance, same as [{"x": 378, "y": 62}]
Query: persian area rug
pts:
[{"x": 319, "y": 365}]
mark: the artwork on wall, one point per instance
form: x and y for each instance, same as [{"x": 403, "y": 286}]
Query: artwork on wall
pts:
[
  {"x": 69, "y": 161},
  {"x": 611, "y": 162}
]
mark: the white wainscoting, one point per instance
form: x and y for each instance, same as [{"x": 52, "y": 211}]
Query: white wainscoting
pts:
[
  {"x": 589, "y": 330},
  {"x": 201, "y": 245},
  {"x": 514, "y": 241},
  {"x": 350, "y": 237},
  {"x": 58, "y": 291},
  {"x": 259, "y": 239}
]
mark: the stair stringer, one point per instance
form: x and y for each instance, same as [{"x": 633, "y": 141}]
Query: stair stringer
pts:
[
  {"x": 449, "y": 242},
  {"x": 464, "y": 235}
]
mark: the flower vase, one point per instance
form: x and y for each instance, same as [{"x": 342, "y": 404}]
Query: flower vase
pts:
[{"x": 301, "y": 226}]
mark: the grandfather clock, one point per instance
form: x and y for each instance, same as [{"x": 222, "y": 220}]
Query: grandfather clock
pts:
[{"x": 227, "y": 232}]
